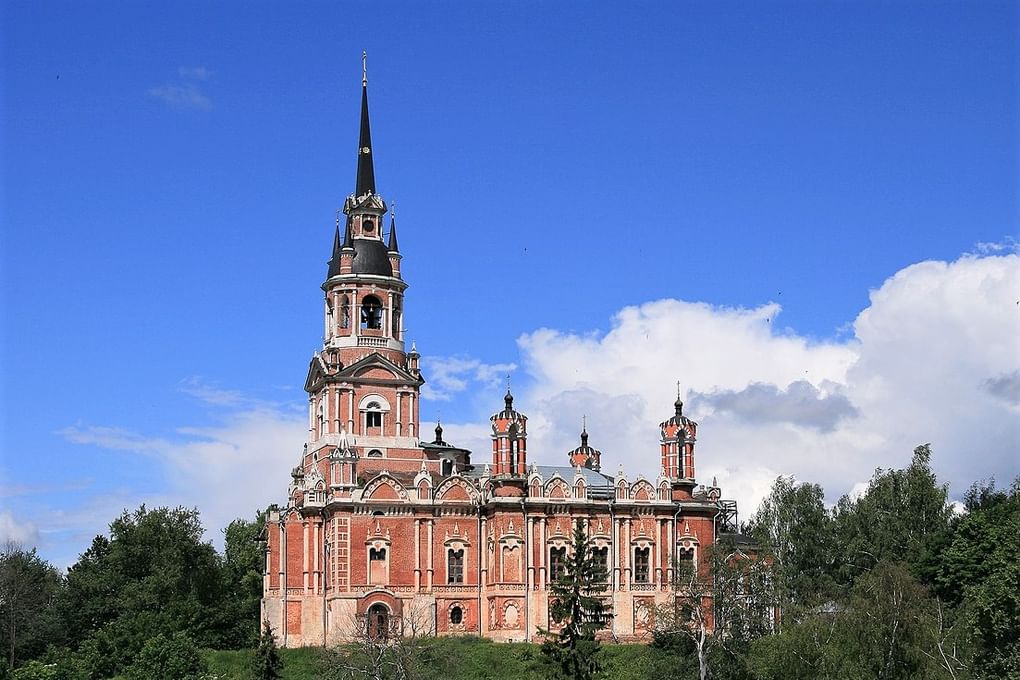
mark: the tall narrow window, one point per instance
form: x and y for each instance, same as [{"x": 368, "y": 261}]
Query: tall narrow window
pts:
[
  {"x": 601, "y": 558},
  {"x": 345, "y": 312},
  {"x": 371, "y": 312},
  {"x": 685, "y": 564},
  {"x": 377, "y": 565},
  {"x": 456, "y": 615},
  {"x": 455, "y": 566},
  {"x": 373, "y": 418},
  {"x": 513, "y": 455},
  {"x": 395, "y": 331},
  {"x": 557, "y": 563},
  {"x": 641, "y": 565}
]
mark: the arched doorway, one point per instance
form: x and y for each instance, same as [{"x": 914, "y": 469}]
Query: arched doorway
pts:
[{"x": 378, "y": 621}]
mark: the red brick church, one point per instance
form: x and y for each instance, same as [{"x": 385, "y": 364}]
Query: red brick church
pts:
[{"x": 385, "y": 530}]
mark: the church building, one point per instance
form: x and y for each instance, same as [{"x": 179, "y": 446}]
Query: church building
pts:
[{"x": 390, "y": 530}]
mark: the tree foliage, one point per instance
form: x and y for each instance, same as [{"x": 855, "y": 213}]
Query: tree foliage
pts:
[
  {"x": 718, "y": 608},
  {"x": 242, "y": 566},
  {"x": 28, "y": 586},
  {"x": 904, "y": 515},
  {"x": 168, "y": 657},
  {"x": 266, "y": 662},
  {"x": 576, "y": 604},
  {"x": 794, "y": 527}
]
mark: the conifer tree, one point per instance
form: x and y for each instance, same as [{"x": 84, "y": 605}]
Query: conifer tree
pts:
[
  {"x": 576, "y": 603},
  {"x": 266, "y": 662}
]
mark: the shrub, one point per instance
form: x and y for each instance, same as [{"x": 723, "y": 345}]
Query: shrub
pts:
[{"x": 168, "y": 658}]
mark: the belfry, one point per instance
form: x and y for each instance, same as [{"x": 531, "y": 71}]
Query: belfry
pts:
[{"x": 383, "y": 532}]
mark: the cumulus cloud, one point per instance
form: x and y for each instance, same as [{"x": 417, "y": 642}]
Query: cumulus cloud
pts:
[
  {"x": 1005, "y": 387},
  {"x": 17, "y": 531},
  {"x": 933, "y": 358},
  {"x": 801, "y": 403},
  {"x": 772, "y": 403},
  {"x": 448, "y": 376},
  {"x": 229, "y": 469}
]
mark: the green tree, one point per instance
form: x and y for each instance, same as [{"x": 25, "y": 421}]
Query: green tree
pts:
[
  {"x": 168, "y": 657},
  {"x": 28, "y": 587},
  {"x": 888, "y": 627},
  {"x": 154, "y": 575},
  {"x": 793, "y": 525},
  {"x": 718, "y": 608},
  {"x": 576, "y": 604},
  {"x": 242, "y": 566},
  {"x": 904, "y": 515},
  {"x": 266, "y": 662},
  {"x": 980, "y": 571}
]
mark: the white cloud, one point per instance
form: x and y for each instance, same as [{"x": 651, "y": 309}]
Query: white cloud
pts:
[
  {"x": 226, "y": 470},
  {"x": 183, "y": 96},
  {"x": 448, "y": 376},
  {"x": 931, "y": 359},
  {"x": 17, "y": 531}
]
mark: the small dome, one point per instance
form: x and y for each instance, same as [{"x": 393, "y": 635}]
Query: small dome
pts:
[{"x": 371, "y": 257}]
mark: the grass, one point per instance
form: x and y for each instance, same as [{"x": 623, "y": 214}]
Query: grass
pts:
[{"x": 472, "y": 658}]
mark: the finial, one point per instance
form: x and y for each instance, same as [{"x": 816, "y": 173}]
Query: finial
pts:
[
  {"x": 393, "y": 209},
  {"x": 584, "y": 423},
  {"x": 338, "y": 218},
  {"x": 677, "y": 389},
  {"x": 364, "y": 68}
]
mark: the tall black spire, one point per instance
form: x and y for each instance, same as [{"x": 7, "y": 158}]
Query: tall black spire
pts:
[
  {"x": 392, "y": 247},
  {"x": 366, "y": 171}
]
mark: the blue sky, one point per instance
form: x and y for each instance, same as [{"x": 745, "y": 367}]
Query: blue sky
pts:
[{"x": 171, "y": 174}]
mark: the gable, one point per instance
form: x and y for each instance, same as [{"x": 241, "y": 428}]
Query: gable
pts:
[
  {"x": 377, "y": 367},
  {"x": 384, "y": 492},
  {"x": 376, "y": 372}
]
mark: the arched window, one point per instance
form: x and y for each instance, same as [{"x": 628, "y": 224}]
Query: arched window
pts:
[
  {"x": 455, "y": 566},
  {"x": 375, "y": 453},
  {"x": 685, "y": 563},
  {"x": 378, "y": 621},
  {"x": 371, "y": 312},
  {"x": 446, "y": 467},
  {"x": 456, "y": 615},
  {"x": 557, "y": 563},
  {"x": 601, "y": 557},
  {"x": 373, "y": 417},
  {"x": 345, "y": 312},
  {"x": 377, "y": 565},
  {"x": 641, "y": 565}
]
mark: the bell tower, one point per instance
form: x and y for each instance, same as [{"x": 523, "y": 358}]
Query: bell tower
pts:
[
  {"x": 363, "y": 386},
  {"x": 678, "y": 435},
  {"x": 509, "y": 440}
]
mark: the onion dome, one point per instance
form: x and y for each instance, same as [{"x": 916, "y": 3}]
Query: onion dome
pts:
[{"x": 584, "y": 455}]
